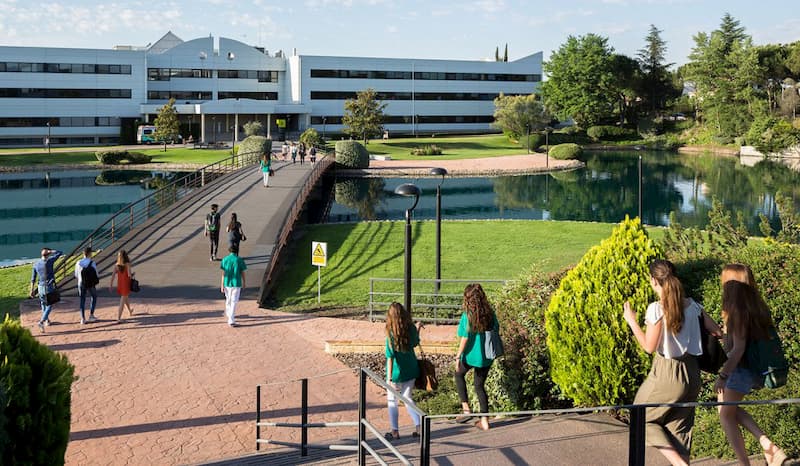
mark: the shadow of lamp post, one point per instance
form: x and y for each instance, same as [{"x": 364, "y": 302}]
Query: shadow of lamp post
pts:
[
  {"x": 408, "y": 190},
  {"x": 436, "y": 171}
]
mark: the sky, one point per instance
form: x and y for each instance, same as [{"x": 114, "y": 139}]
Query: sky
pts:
[{"x": 463, "y": 29}]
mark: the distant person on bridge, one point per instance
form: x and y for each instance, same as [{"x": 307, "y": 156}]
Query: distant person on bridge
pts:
[
  {"x": 294, "y": 153},
  {"x": 88, "y": 279},
  {"x": 123, "y": 274},
  {"x": 284, "y": 150},
  {"x": 478, "y": 318},
  {"x": 266, "y": 168},
  {"x": 212, "y": 227},
  {"x": 232, "y": 282},
  {"x": 301, "y": 150},
  {"x": 43, "y": 279},
  {"x": 402, "y": 368},
  {"x": 235, "y": 232}
]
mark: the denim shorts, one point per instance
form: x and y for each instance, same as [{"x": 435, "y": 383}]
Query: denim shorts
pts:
[{"x": 742, "y": 380}]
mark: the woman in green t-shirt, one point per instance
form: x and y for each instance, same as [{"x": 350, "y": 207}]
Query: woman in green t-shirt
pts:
[
  {"x": 478, "y": 317},
  {"x": 402, "y": 368}
]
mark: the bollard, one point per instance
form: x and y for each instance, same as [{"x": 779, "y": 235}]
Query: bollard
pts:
[
  {"x": 258, "y": 417},
  {"x": 362, "y": 414},
  {"x": 304, "y": 417}
]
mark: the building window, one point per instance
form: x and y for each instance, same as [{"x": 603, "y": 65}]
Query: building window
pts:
[
  {"x": 38, "y": 93},
  {"x": 449, "y": 96},
  {"x": 248, "y": 95},
  {"x": 78, "y": 68},
  {"x": 421, "y": 119},
  {"x": 179, "y": 95},
  {"x": 425, "y": 75}
]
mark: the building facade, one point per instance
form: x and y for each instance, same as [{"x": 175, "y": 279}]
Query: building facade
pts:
[{"x": 61, "y": 96}]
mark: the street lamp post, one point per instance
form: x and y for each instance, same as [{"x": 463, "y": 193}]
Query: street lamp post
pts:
[
  {"x": 640, "y": 188},
  {"x": 438, "y": 172},
  {"x": 528, "y": 137},
  {"x": 214, "y": 127},
  {"x": 324, "y": 119},
  {"x": 48, "y": 136},
  {"x": 547, "y": 146},
  {"x": 408, "y": 190}
]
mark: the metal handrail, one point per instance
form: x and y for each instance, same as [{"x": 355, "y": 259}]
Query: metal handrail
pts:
[
  {"x": 139, "y": 211},
  {"x": 323, "y": 162}
]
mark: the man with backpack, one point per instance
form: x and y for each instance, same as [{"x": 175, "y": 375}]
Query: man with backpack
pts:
[
  {"x": 212, "y": 226},
  {"x": 86, "y": 274}
]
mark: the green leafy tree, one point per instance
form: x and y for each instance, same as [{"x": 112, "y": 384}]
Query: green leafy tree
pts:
[
  {"x": 771, "y": 134},
  {"x": 607, "y": 368},
  {"x": 311, "y": 137},
  {"x": 581, "y": 80},
  {"x": 167, "y": 126},
  {"x": 655, "y": 69},
  {"x": 363, "y": 116},
  {"x": 517, "y": 115},
  {"x": 628, "y": 89},
  {"x": 253, "y": 128}
]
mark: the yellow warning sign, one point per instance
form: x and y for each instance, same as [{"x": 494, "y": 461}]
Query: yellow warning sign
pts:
[{"x": 319, "y": 254}]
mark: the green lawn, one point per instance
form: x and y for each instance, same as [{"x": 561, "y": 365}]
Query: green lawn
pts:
[
  {"x": 14, "y": 288},
  {"x": 470, "y": 250},
  {"x": 177, "y": 155},
  {"x": 453, "y": 147}
]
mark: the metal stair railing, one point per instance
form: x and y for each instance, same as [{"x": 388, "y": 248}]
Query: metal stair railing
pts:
[{"x": 140, "y": 211}]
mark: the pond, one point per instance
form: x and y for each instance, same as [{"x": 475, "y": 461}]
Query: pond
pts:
[
  {"x": 605, "y": 190},
  {"x": 60, "y": 208}
]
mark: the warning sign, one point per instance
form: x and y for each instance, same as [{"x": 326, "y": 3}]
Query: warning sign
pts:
[{"x": 319, "y": 254}]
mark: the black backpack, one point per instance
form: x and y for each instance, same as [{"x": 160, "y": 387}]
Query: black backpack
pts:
[{"x": 89, "y": 278}]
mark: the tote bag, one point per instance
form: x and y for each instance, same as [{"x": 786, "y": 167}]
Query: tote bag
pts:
[{"x": 492, "y": 344}]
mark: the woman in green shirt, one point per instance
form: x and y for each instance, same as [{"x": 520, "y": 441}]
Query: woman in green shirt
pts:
[
  {"x": 478, "y": 317},
  {"x": 402, "y": 368},
  {"x": 266, "y": 166}
]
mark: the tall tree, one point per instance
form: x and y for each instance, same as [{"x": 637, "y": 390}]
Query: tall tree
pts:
[
  {"x": 505, "y": 53},
  {"x": 629, "y": 83},
  {"x": 497, "y": 53},
  {"x": 517, "y": 115},
  {"x": 363, "y": 116},
  {"x": 167, "y": 125},
  {"x": 652, "y": 61},
  {"x": 581, "y": 80}
]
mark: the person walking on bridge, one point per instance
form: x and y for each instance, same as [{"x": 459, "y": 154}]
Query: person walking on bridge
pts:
[
  {"x": 231, "y": 282},
  {"x": 235, "y": 232},
  {"x": 212, "y": 227},
  {"x": 266, "y": 168},
  {"x": 43, "y": 278},
  {"x": 86, "y": 274}
]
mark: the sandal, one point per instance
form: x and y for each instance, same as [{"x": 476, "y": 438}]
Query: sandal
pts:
[
  {"x": 464, "y": 419},
  {"x": 479, "y": 425},
  {"x": 777, "y": 458}
]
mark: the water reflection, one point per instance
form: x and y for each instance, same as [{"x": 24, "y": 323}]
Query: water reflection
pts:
[{"x": 605, "y": 190}]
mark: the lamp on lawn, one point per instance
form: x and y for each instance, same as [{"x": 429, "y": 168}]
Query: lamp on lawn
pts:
[
  {"x": 436, "y": 171},
  {"x": 408, "y": 190}
]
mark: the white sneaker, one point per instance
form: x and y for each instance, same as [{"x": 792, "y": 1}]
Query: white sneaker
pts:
[
  {"x": 82, "y": 322},
  {"x": 47, "y": 323},
  {"x": 92, "y": 319},
  {"x": 41, "y": 326}
]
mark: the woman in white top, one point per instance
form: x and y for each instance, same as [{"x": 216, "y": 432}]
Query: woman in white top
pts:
[{"x": 673, "y": 333}]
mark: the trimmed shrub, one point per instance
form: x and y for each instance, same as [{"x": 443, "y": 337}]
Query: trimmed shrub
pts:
[
  {"x": 610, "y": 133},
  {"x": 535, "y": 140},
  {"x": 255, "y": 145},
  {"x": 594, "y": 358},
  {"x": 37, "y": 382},
  {"x": 428, "y": 149},
  {"x": 311, "y": 137},
  {"x": 253, "y": 128},
  {"x": 115, "y": 157},
  {"x": 351, "y": 154},
  {"x": 138, "y": 157},
  {"x": 520, "y": 380},
  {"x": 566, "y": 151}
]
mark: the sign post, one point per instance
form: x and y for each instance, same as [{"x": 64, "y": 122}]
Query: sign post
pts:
[{"x": 319, "y": 257}]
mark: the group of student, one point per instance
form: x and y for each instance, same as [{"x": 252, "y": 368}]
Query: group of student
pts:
[
  {"x": 672, "y": 331},
  {"x": 296, "y": 150},
  {"x": 212, "y": 226},
  {"x": 87, "y": 276}
]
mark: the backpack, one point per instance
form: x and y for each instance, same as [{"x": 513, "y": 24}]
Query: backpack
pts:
[
  {"x": 766, "y": 359},
  {"x": 89, "y": 278}
]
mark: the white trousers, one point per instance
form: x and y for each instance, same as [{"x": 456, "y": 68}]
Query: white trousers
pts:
[
  {"x": 231, "y": 300},
  {"x": 266, "y": 178},
  {"x": 405, "y": 389}
]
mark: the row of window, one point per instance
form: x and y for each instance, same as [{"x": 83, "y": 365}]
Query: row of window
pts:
[
  {"x": 82, "y": 68},
  {"x": 344, "y": 95},
  {"x": 424, "y": 75},
  {"x": 166, "y": 74},
  {"x": 72, "y": 141},
  {"x": 248, "y": 95},
  {"x": 407, "y": 119},
  {"x": 22, "y": 122},
  {"x": 179, "y": 95},
  {"x": 43, "y": 93}
]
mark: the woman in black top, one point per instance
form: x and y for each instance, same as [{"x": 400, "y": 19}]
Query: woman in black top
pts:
[{"x": 235, "y": 232}]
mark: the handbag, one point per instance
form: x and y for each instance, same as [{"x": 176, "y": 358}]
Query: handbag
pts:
[
  {"x": 271, "y": 172},
  {"x": 492, "y": 344},
  {"x": 135, "y": 285},
  {"x": 713, "y": 356},
  {"x": 52, "y": 297},
  {"x": 766, "y": 359},
  {"x": 426, "y": 380}
]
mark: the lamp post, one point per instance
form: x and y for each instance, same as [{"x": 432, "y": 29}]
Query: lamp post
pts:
[
  {"x": 408, "y": 190},
  {"x": 48, "y": 136},
  {"x": 438, "y": 172},
  {"x": 528, "y": 137},
  {"x": 547, "y": 130},
  {"x": 640, "y": 189},
  {"x": 214, "y": 127}
]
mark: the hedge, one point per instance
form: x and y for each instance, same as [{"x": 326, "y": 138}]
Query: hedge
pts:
[
  {"x": 594, "y": 358},
  {"x": 610, "y": 133},
  {"x": 255, "y": 145},
  {"x": 565, "y": 151},
  {"x": 351, "y": 154},
  {"x": 115, "y": 156},
  {"x": 37, "y": 383}
]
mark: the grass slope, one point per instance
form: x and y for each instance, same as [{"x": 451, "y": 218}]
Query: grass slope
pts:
[
  {"x": 14, "y": 288},
  {"x": 470, "y": 250},
  {"x": 453, "y": 147}
]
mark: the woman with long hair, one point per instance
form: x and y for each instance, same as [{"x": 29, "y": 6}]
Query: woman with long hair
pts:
[
  {"x": 673, "y": 334},
  {"x": 402, "y": 368},
  {"x": 235, "y": 232},
  {"x": 477, "y": 318},
  {"x": 123, "y": 274},
  {"x": 266, "y": 166},
  {"x": 746, "y": 318}
]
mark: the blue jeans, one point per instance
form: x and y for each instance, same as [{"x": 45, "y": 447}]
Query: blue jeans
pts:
[
  {"x": 82, "y": 293},
  {"x": 43, "y": 301}
]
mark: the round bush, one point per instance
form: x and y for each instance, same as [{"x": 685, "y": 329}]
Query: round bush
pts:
[
  {"x": 351, "y": 154},
  {"x": 606, "y": 368},
  {"x": 37, "y": 382},
  {"x": 566, "y": 151},
  {"x": 255, "y": 145},
  {"x": 311, "y": 138},
  {"x": 114, "y": 157}
]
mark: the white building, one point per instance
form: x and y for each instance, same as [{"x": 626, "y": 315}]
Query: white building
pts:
[{"x": 88, "y": 96}]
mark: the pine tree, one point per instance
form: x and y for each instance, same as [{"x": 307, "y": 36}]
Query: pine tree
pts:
[
  {"x": 363, "y": 116},
  {"x": 651, "y": 59},
  {"x": 497, "y": 53},
  {"x": 505, "y": 54}
]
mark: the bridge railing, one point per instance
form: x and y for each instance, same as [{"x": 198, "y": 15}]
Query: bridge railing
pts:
[{"x": 138, "y": 212}]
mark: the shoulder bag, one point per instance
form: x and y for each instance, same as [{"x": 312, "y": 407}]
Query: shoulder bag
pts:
[
  {"x": 426, "y": 380},
  {"x": 766, "y": 358},
  {"x": 492, "y": 344},
  {"x": 713, "y": 356}
]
